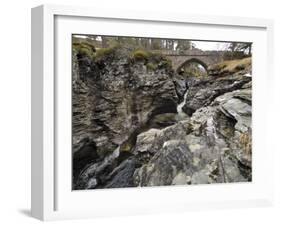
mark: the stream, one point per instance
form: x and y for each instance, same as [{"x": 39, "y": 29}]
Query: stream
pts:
[{"x": 181, "y": 113}]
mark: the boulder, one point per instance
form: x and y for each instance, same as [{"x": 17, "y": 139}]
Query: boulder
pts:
[
  {"x": 180, "y": 86},
  {"x": 203, "y": 92},
  {"x": 213, "y": 146}
]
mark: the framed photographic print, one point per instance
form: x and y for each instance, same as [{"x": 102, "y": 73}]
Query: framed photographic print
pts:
[{"x": 134, "y": 112}]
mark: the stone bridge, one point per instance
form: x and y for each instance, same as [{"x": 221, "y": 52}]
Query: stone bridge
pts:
[{"x": 204, "y": 58}]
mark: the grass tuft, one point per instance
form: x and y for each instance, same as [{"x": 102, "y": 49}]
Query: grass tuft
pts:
[
  {"x": 140, "y": 55},
  {"x": 104, "y": 52},
  {"x": 232, "y": 66},
  {"x": 84, "y": 49}
]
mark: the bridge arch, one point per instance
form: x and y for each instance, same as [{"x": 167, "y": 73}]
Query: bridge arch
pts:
[
  {"x": 193, "y": 60},
  {"x": 204, "y": 58}
]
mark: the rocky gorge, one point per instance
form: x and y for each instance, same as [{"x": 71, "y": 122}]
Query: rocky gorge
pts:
[{"x": 136, "y": 122}]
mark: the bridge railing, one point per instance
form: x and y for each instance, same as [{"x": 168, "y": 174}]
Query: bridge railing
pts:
[{"x": 192, "y": 52}]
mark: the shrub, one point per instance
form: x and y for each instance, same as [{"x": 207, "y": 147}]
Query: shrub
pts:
[
  {"x": 156, "y": 56},
  {"x": 166, "y": 63},
  {"x": 84, "y": 49},
  {"x": 104, "y": 52},
  {"x": 151, "y": 66},
  {"x": 140, "y": 55},
  {"x": 159, "y": 59},
  {"x": 236, "y": 55}
]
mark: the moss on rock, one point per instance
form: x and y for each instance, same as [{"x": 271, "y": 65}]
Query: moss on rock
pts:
[
  {"x": 140, "y": 55},
  {"x": 104, "y": 52},
  {"x": 84, "y": 49}
]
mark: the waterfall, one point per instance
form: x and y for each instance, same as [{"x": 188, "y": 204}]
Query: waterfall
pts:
[{"x": 181, "y": 113}]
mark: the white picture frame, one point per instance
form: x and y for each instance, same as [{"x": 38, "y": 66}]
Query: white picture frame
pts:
[{"x": 51, "y": 197}]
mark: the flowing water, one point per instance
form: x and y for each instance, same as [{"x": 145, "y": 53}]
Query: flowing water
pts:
[{"x": 181, "y": 113}]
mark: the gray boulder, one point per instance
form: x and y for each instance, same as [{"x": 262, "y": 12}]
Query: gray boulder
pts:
[
  {"x": 213, "y": 146},
  {"x": 203, "y": 92}
]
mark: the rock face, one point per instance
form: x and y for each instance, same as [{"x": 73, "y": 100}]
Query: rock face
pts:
[
  {"x": 126, "y": 130},
  {"x": 113, "y": 99},
  {"x": 213, "y": 146},
  {"x": 203, "y": 91},
  {"x": 180, "y": 85}
]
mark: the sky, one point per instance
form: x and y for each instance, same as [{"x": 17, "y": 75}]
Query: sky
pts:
[
  {"x": 204, "y": 45},
  {"x": 211, "y": 45}
]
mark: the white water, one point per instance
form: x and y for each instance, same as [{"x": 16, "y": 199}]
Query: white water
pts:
[{"x": 180, "y": 105}]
